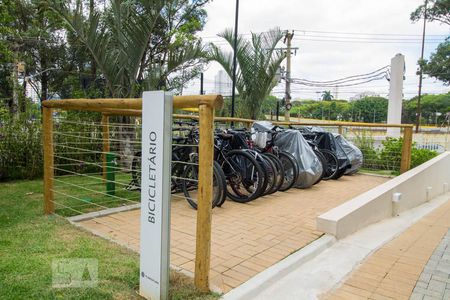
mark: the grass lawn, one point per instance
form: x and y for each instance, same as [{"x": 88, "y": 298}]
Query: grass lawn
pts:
[{"x": 29, "y": 241}]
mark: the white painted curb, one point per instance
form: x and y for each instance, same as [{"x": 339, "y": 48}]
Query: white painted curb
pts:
[{"x": 102, "y": 213}]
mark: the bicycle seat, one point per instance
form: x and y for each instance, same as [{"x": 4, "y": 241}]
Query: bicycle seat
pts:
[{"x": 225, "y": 136}]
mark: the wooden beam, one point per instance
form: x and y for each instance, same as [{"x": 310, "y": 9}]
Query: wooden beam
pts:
[
  {"x": 47, "y": 128},
  {"x": 214, "y": 101},
  {"x": 405, "y": 163},
  {"x": 350, "y": 124},
  {"x": 205, "y": 188}
]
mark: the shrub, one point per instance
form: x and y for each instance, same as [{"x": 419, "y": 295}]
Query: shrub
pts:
[
  {"x": 389, "y": 156},
  {"x": 419, "y": 156},
  {"x": 20, "y": 149},
  {"x": 366, "y": 145}
]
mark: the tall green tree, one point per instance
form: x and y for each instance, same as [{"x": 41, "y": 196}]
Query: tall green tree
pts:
[
  {"x": 32, "y": 34},
  {"x": 438, "y": 66},
  {"x": 137, "y": 43},
  {"x": 437, "y": 10},
  {"x": 257, "y": 61},
  {"x": 326, "y": 95}
]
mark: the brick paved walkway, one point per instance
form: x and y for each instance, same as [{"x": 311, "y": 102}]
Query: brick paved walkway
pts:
[
  {"x": 434, "y": 282},
  {"x": 246, "y": 238},
  {"x": 404, "y": 265}
]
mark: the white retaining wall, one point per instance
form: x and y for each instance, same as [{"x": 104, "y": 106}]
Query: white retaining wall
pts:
[{"x": 401, "y": 193}]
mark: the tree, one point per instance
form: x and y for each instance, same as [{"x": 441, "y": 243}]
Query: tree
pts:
[
  {"x": 31, "y": 33},
  {"x": 434, "y": 108},
  {"x": 326, "y": 95},
  {"x": 370, "y": 109},
  {"x": 438, "y": 66},
  {"x": 437, "y": 10},
  {"x": 138, "y": 43},
  {"x": 257, "y": 61}
]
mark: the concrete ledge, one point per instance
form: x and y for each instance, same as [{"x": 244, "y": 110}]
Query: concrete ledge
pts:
[
  {"x": 416, "y": 186},
  {"x": 103, "y": 213},
  {"x": 251, "y": 288}
]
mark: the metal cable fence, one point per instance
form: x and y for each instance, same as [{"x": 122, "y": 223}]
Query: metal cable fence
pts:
[{"x": 97, "y": 164}]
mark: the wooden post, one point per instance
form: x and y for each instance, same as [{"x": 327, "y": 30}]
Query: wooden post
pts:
[
  {"x": 47, "y": 127},
  {"x": 105, "y": 138},
  {"x": 205, "y": 175},
  {"x": 340, "y": 130},
  {"x": 405, "y": 163}
]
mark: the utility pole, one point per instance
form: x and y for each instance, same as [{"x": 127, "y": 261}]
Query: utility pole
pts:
[
  {"x": 419, "y": 112},
  {"x": 287, "y": 98},
  {"x": 202, "y": 92},
  {"x": 233, "y": 93}
]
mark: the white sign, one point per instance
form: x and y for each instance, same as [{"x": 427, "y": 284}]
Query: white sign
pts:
[{"x": 155, "y": 194}]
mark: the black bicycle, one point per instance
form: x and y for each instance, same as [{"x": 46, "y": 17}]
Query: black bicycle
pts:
[{"x": 243, "y": 173}]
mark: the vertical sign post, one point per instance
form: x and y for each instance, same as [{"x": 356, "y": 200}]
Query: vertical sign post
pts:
[{"x": 155, "y": 194}]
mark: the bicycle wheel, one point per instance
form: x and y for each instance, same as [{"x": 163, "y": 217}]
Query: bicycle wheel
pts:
[
  {"x": 221, "y": 174},
  {"x": 244, "y": 176},
  {"x": 270, "y": 172},
  {"x": 323, "y": 162},
  {"x": 332, "y": 164},
  {"x": 279, "y": 172},
  {"x": 290, "y": 170},
  {"x": 190, "y": 185}
]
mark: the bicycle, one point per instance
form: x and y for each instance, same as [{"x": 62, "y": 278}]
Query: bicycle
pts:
[{"x": 243, "y": 173}]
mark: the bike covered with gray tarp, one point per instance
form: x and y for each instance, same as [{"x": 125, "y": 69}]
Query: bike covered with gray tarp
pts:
[
  {"x": 292, "y": 141},
  {"x": 353, "y": 153}
]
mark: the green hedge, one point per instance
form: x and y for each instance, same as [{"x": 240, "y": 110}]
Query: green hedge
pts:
[
  {"x": 21, "y": 153},
  {"x": 20, "y": 149},
  {"x": 388, "y": 156}
]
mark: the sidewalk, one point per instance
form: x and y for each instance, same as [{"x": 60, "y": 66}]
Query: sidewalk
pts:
[{"x": 414, "y": 265}]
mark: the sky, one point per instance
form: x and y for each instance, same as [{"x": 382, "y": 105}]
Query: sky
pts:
[{"x": 336, "y": 39}]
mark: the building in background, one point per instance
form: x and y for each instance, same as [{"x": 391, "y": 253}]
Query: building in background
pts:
[
  {"x": 31, "y": 93},
  {"x": 359, "y": 96},
  {"x": 222, "y": 84}
]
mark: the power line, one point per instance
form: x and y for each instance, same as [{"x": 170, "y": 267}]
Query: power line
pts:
[
  {"x": 361, "y": 33},
  {"x": 348, "y": 78}
]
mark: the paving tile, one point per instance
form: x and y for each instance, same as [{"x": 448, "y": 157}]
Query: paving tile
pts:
[
  {"x": 246, "y": 238},
  {"x": 416, "y": 296},
  {"x": 415, "y": 264}
]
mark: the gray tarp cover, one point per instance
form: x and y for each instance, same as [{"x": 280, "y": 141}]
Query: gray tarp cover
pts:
[
  {"x": 339, "y": 151},
  {"x": 293, "y": 142},
  {"x": 310, "y": 168},
  {"x": 353, "y": 153}
]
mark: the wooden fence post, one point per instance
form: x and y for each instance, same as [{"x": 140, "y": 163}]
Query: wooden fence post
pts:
[
  {"x": 47, "y": 127},
  {"x": 405, "y": 163},
  {"x": 340, "y": 129},
  {"x": 105, "y": 138},
  {"x": 205, "y": 176}
]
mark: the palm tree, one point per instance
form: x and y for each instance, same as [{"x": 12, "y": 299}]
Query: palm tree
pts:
[
  {"x": 119, "y": 42},
  {"x": 257, "y": 61},
  {"x": 326, "y": 95}
]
